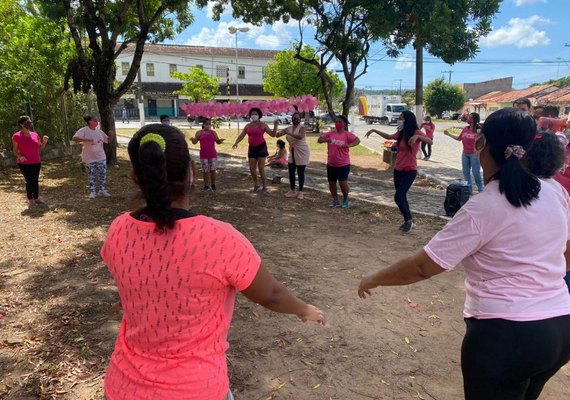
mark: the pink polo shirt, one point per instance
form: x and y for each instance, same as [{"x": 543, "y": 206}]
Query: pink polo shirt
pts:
[
  {"x": 406, "y": 159},
  {"x": 177, "y": 290},
  {"x": 29, "y": 147},
  {"x": 338, "y": 156},
  {"x": 513, "y": 257}
]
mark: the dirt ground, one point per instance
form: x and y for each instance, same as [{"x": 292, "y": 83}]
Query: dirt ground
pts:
[{"x": 58, "y": 326}]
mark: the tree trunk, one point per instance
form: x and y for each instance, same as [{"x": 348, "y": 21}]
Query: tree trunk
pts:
[
  {"x": 348, "y": 97},
  {"x": 108, "y": 124}
]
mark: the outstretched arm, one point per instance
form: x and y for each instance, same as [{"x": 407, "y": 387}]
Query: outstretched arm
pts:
[
  {"x": 446, "y": 133},
  {"x": 269, "y": 131},
  {"x": 383, "y": 134},
  {"x": 218, "y": 140},
  {"x": 239, "y": 138}
]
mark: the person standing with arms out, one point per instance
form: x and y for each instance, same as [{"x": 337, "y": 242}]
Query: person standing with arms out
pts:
[
  {"x": 93, "y": 154},
  {"x": 173, "y": 337},
  {"x": 469, "y": 160},
  {"x": 517, "y": 307},
  {"x": 27, "y": 146},
  {"x": 429, "y": 128},
  {"x": 408, "y": 137},
  {"x": 299, "y": 154},
  {"x": 208, "y": 156},
  {"x": 339, "y": 143},
  {"x": 257, "y": 150}
]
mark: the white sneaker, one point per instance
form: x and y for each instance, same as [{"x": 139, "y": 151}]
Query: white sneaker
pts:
[
  {"x": 104, "y": 193},
  {"x": 92, "y": 195}
]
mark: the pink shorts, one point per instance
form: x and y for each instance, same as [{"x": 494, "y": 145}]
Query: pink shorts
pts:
[{"x": 209, "y": 164}]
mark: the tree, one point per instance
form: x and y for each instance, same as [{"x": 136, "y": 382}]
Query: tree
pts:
[
  {"x": 288, "y": 76},
  {"x": 441, "y": 96},
  {"x": 96, "y": 28},
  {"x": 198, "y": 85}
]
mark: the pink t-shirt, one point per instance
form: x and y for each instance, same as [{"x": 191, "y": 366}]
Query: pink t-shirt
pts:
[
  {"x": 255, "y": 134},
  {"x": 563, "y": 177},
  {"x": 338, "y": 156},
  {"x": 513, "y": 257},
  {"x": 29, "y": 147},
  {"x": 207, "y": 145},
  {"x": 92, "y": 151},
  {"x": 468, "y": 139},
  {"x": 177, "y": 290},
  {"x": 429, "y": 129},
  {"x": 406, "y": 156}
]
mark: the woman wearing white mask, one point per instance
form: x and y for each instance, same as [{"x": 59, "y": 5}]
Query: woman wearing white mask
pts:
[
  {"x": 257, "y": 151},
  {"x": 408, "y": 138}
]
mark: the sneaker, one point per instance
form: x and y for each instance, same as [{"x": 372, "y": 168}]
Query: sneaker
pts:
[
  {"x": 104, "y": 193},
  {"x": 263, "y": 191},
  {"x": 39, "y": 202},
  {"x": 301, "y": 195},
  {"x": 402, "y": 226},
  {"x": 92, "y": 195},
  {"x": 291, "y": 193},
  {"x": 345, "y": 203},
  {"x": 31, "y": 203},
  {"x": 407, "y": 227},
  {"x": 256, "y": 189},
  {"x": 426, "y": 158},
  {"x": 206, "y": 189},
  {"x": 334, "y": 204},
  {"x": 213, "y": 187}
]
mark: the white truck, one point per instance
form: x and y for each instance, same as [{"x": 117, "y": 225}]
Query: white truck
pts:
[{"x": 379, "y": 108}]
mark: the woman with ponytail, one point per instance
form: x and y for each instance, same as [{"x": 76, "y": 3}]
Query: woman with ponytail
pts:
[
  {"x": 513, "y": 242},
  {"x": 177, "y": 274}
]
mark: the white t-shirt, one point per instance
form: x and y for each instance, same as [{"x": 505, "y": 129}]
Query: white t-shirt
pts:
[
  {"x": 92, "y": 151},
  {"x": 513, "y": 257}
]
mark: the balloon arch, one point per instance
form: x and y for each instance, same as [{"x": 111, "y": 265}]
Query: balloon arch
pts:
[{"x": 211, "y": 109}]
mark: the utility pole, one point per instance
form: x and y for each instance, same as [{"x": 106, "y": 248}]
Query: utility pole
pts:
[
  {"x": 419, "y": 81},
  {"x": 399, "y": 91},
  {"x": 450, "y": 72}
]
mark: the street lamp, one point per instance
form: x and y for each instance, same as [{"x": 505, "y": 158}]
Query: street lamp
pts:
[{"x": 233, "y": 30}]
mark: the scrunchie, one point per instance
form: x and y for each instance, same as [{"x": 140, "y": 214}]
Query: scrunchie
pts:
[
  {"x": 156, "y": 138},
  {"x": 514, "y": 149}
]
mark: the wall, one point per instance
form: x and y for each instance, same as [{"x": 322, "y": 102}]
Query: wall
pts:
[{"x": 51, "y": 152}]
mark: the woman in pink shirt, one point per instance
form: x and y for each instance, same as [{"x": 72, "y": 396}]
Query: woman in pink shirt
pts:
[
  {"x": 257, "y": 150},
  {"x": 514, "y": 243},
  {"x": 469, "y": 160},
  {"x": 429, "y": 128},
  {"x": 177, "y": 274},
  {"x": 338, "y": 143},
  {"x": 408, "y": 137},
  {"x": 27, "y": 146},
  {"x": 208, "y": 155}
]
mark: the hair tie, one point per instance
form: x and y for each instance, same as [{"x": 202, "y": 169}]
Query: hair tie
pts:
[
  {"x": 538, "y": 136},
  {"x": 156, "y": 138},
  {"x": 514, "y": 149}
]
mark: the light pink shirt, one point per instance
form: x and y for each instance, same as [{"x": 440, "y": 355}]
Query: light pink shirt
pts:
[
  {"x": 337, "y": 155},
  {"x": 92, "y": 151},
  {"x": 513, "y": 257}
]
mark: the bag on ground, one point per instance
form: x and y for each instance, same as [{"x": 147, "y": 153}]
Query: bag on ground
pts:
[{"x": 456, "y": 195}]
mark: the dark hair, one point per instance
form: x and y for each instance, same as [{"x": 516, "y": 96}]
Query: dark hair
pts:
[
  {"x": 476, "y": 120},
  {"x": 163, "y": 117},
  {"x": 503, "y": 128},
  {"x": 522, "y": 100},
  {"x": 550, "y": 110},
  {"x": 545, "y": 157},
  {"x": 161, "y": 175},
  {"x": 344, "y": 120},
  {"x": 410, "y": 126},
  {"x": 281, "y": 144},
  {"x": 23, "y": 118},
  {"x": 88, "y": 117},
  {"x": 257, "y": 110},
  {"x": 207, "y": 121}
]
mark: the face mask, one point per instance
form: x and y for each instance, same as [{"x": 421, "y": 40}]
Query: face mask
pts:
[
  {"x": 339, "y": 126},
  {"x": 400, "y": 124},
  {"x": 254, "y": 117},
  {"x": 166, "y": 122},
  {"x": 207, "y": 127},
  {"x": 296, "y": 121},
  {"x": 469, "y": 121},
  {"x": 93, "y": 124}
]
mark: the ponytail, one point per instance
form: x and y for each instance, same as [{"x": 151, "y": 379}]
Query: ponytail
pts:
[{"x": 546, "y": 156}]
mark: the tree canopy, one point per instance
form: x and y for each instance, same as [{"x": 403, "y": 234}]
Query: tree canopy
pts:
[
  {"x": 198, "y": 85},
  {"x": 441, "y": 96}
]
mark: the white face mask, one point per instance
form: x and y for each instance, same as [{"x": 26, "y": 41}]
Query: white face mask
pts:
[
  {"x": 254, "y": 117},
  {"x": 400, "y": 124}
]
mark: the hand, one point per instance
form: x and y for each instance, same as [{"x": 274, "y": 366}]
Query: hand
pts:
[
  {"x": 45, "y": 139},
  {"x": 21, "y": 158},
  {"x": 276, "y": 123},
  {"x": 368, "y": 134},
  {"x": 234, "y": 146},
  {"x": 222, "y": 140},
  {"x": 312, "y": 313},
  {"x": 364, "y": 287},
  {"x": 345, "y": 146},
  {"x": 413, "y": 139},
  {"x": 446, "y": 132}
]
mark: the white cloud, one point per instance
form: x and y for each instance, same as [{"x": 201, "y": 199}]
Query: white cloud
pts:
[
  {"x": 228, "y": 10},
  {"x": 519, "y": 3},
  {"x": 520, "y": 32},
  {"x": 405, "y": 62},
  {"x": 280, "y": 36},
  {"x": 218, "y": 37}
]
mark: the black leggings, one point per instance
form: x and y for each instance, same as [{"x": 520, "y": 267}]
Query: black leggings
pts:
[
  {"x": 402, "y": 182},
  {"x": 31, "y": 174},
  {"x": 300, "y": 171},
  {"x": 512, "y": 360},
  {"x": 428, "y": 152}
]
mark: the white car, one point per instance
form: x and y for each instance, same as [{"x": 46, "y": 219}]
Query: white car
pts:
[{"x": 270, "y": 118}]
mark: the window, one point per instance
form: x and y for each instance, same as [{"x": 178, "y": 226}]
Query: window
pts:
[
  {"x": 200, "y": 66},
  {"x": 173, "y": 68},
  {"x": 241, "y": 72},
  {"x": 125, "y": 66},
  {"x": 221, "y": 71},
  {"x": 149, "y": 69}
]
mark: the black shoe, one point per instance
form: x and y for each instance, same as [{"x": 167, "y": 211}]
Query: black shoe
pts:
[
  {"x": 213, "y": 188},
  {"x": 206, "y": 189},
  {"x": 407, "y": 226}
]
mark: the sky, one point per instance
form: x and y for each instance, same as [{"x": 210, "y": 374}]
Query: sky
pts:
[{"x": 530, "y": 41}]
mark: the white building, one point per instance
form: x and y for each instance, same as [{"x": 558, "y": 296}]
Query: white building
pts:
[{"x": 159, "y": 61}]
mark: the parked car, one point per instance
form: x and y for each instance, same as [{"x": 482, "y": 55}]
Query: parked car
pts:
[
  {"x": 198, "y": 120},
  {"x": 270, "y": 118},
  {"x": 326, "y": 118},
  {"x": 450, "y": 115},
  {"x": 286, "y": 118}
]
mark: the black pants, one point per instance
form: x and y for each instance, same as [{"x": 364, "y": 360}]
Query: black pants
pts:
[
  {"x": 402, "y": 182},
  {"x": 31, "y": 174},
  {"x": 428, "y": 152},
  {"x": 511, "y": 360},
  {"x": 300, "y": 171}
]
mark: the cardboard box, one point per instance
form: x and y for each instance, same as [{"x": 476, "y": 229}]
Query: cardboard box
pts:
[{"x": 389, "y": 156}]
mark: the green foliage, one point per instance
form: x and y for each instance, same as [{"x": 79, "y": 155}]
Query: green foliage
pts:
[
  {"x": 440, "y": 96},
  {"x": 288, "y": 76},
  {"x": 35, "y": 52},
  {"x": 561, "y": 82},
  {"x": 198, "y": 85}
]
